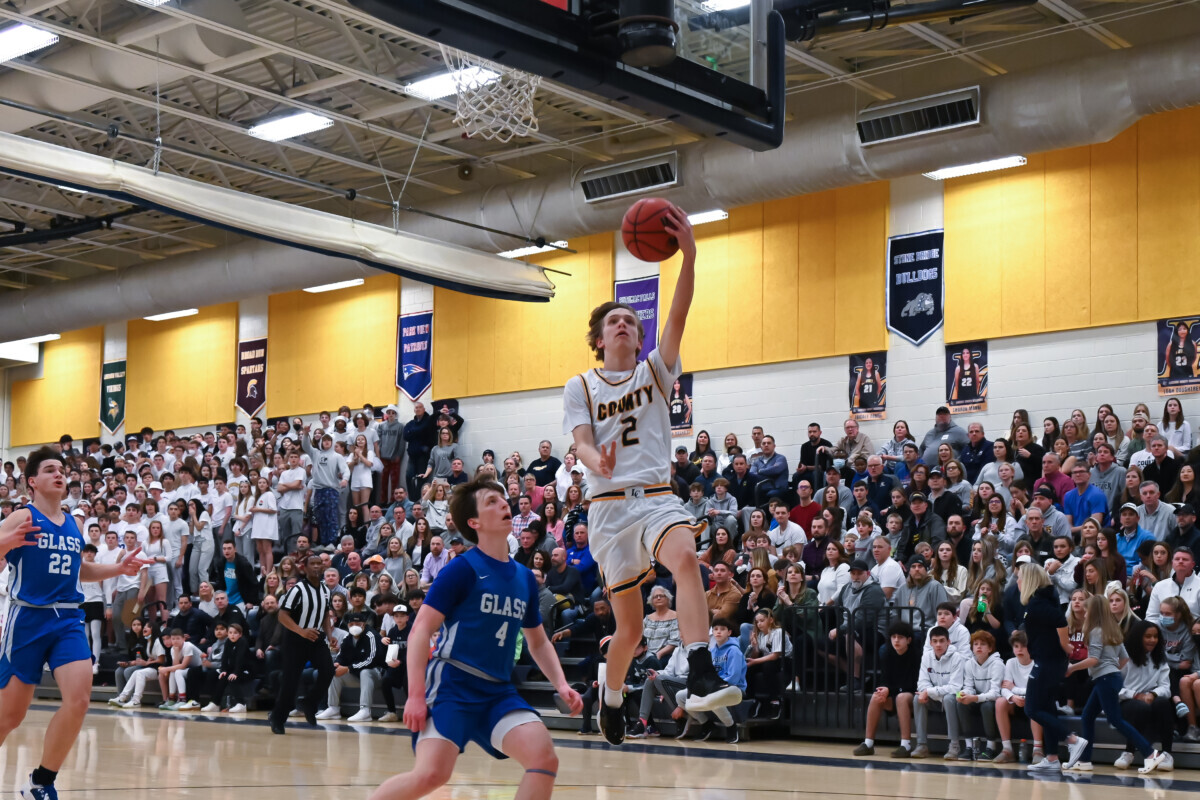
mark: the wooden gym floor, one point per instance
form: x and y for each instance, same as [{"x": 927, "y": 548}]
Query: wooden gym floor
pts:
[{"x": 152, "y": 755}]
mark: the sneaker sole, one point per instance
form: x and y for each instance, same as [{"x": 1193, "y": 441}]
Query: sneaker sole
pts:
[{"x": 719, "y": 699}]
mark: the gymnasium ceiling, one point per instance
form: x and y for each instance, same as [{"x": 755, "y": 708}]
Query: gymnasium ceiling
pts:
[{"x": 326, "y": 55}]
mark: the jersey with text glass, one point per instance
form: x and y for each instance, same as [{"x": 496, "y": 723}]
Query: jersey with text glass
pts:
[
  {"x": 486, "y": 603},
  {"x": 631, "y": 409},
  {"x": 47, "y": 573}
]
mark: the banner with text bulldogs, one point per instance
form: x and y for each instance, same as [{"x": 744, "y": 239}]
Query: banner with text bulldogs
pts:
[
  {"x": 966, "y": 377},
  {"x": 1176, "y": 363},
  {"x": 642, "y": 295},
  {"x": 414, "y": 372},
  {"x": 868, "y": 386},
  {"x": 915, "y": 291},
  {"x": 252, "y": 376},
  {"x": 112, "y": 395}
]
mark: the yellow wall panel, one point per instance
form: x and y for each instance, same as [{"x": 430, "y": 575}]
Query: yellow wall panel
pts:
[
  {"x": 66, "y": 399},
  {"x": 858, "y": 267},
  {"x": 1084, "y": 237},
  {"x": 780, "y": 277},
  {"x": 484, "y": 346},
  {"x": 745, "y": 281},
  {"x": 815, "y": 315},
  {"x": 182, "y": 373},
  {"x": 1114, "y": 219},
  {"x": 332, "y": 348}
]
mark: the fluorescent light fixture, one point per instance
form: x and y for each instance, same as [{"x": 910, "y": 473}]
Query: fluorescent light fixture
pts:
[
  {"x": 333, "y": 287},
  {"x": 49, "y": 337},
  {"x": 716, "y": 215},
  {"x": 70, "y": 189},
  {"x": 531, "y": 250},
  {"x": 724, "y": 5},
  {"x": 17, "y": 40},
  {"x": 186, "y": 312},
  {"x": 435, "y": 87},
  {"x": 289, "y": 127},
  {"x": 974, "y": 169},
  {"x": 152, "y": 3}
]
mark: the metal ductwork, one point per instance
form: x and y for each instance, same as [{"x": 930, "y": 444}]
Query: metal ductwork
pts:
[
  {"x": 122, "y": 69},
  {"x": 1055, "y": 107}
]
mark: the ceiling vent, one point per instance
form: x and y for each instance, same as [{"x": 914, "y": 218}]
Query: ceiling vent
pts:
[
  {"x": 933, "y": 114},
  {"x": 630, "y": 178}
]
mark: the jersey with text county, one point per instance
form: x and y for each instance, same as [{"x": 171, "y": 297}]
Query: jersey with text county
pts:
[
  {"x": 48, "y": 572},
  {"x": 486, "y": 604},
  {"x": 631, "y": 409}
]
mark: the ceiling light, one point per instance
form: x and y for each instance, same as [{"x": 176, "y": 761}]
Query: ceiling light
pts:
[
  {"x": 975, "y": 169},
  {"x": 152, "y": 3},
  {"x": 716, "y": 215},
  {"x": 66, "y": 188},
  {"x": 49, "y": 337},
  {"x": 724, "y": 5},
  {"x": 186, "y": 312},
  {"x": 333, "y": 287},
  {"x": 17, "y": 40},
  {"x": 445, "y": 84},
  {"x": 289, "y": 127},
  {"x": 532, "y": 250}
]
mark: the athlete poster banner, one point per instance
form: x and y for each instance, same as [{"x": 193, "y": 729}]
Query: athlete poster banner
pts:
[
  {"x": 868, "y": 386},
  {"x": 966, "y": 377},
  {"x": 915, "y": 290},
  {"x": 414, "y": 367},
  {"x": 642, "y": 295},
  {"x": 1177, "y": 367},
  {"x": 680, "y": 402},
  {"x": 252, "y": 376},
  {"x": 112, "y": 395}
]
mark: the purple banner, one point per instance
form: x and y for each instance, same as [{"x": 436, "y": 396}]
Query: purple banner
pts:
[
  {"x": 252, "y": 376},
  {"x": 642, "y": 295}
]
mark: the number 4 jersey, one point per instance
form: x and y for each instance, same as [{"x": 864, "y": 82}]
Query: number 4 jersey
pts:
[
  {"x": 631, "y": 409},
  {"x": 486, "y": 603},
  {"x": 47, "y": 573}
]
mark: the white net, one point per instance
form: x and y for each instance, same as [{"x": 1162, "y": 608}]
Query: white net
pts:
[{"x": 494, "y": 101}]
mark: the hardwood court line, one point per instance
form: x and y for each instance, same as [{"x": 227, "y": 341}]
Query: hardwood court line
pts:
[{"x": 1163, "y": 780}]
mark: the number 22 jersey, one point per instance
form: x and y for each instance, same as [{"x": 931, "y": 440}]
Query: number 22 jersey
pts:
[
  {"x": 486, "y": 603},
  {"x": 47, "y": 572},
  {"x": 631, "y": 409}
]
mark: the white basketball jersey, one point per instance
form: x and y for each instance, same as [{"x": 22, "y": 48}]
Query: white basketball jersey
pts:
[{"x": 631, "y": 409}]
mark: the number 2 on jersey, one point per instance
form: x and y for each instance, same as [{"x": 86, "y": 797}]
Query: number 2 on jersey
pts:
[
  {"x": 627, "y": 437},
  {"x": 502, "y": 634}
]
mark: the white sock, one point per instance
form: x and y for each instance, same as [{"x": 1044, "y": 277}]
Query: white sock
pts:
[
  {"x": 689, "y": 648},
  {"x": 869, "y": 742},
  {"x": 906, "y": 744},
  {"x": 1007, "y": 745},
  {"x": 613, "y": 697}
]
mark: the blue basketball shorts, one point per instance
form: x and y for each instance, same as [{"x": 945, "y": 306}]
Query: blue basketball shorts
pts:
[
  {"x": 465, "y": 708},
  {"x": 35, "y": 637}
]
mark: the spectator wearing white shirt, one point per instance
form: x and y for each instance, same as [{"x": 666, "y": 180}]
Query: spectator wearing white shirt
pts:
[
  {"x": 131, "y": 520},
  {"x": 887, "y": 572},
  {"x": 1176, "y": 430},
  {"x": 835, "y": 575},
  {"x": 787, "y": 533},
  {"x": 291, "y": 486}
]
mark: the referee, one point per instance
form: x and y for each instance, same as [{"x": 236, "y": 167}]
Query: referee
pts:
[{"x": 304, "y": 615}]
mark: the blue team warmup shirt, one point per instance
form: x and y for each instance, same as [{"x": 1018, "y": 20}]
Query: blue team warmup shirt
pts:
[{"x": 486, "y": 602}]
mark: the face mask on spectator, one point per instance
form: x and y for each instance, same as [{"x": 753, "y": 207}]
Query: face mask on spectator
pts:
[
  {"x": 839, "y": 463},
  {"x": 356, "y": 630},
  {"x": 1167, "y": 621}
]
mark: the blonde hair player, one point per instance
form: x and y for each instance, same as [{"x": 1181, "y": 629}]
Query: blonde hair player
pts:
[{"x": 619, "y": 418}]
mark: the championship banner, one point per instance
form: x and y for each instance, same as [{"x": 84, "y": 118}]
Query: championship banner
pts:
[
  {"x": 642, "y": 295},
  {"x": 868, "y": 386},
  {"x": 915, "y": 291},
  {"x": 252, "y": 376},
  {"x": 966, "y": 377},
  {"x": 1176, "y": 363},
  {"x": 112, "y": 395},
  {"x": 680, "y": 402},
  {"x": 414, "y": 367}
]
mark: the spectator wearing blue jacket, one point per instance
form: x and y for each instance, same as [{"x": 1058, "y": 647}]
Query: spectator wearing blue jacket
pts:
[
  {"x": 731, "y": 666},
  {"x": 770, "y": 472},
  {"x": 1084, "y": 500},
  {"x": 579, "y": 556},
  {"x": 1130, "y": 536}
]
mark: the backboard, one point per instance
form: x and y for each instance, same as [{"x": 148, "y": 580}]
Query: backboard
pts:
[{"x": 720, "y": 82}]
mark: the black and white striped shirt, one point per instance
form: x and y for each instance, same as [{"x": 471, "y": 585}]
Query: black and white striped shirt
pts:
[{"x": 308, "y": 605}]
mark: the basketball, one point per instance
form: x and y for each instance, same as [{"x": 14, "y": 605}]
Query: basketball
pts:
[{"x": 644, "y": 233}]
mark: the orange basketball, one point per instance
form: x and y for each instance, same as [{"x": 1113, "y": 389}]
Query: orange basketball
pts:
[{"x": 643, "y": 231}]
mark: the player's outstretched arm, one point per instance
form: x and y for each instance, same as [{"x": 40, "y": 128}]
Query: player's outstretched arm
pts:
[
  {"x": 18, "y": 531},
  {"x": 676, "y": 223},
  {"x": 546, "y": 658},
  {"x": 598, "y": 458},
  {"x": 129, "y": 565},
  {"x": 429, "y": 620}
]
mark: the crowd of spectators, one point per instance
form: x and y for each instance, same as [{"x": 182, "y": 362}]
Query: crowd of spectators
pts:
[{"x": 831, "y": 561}]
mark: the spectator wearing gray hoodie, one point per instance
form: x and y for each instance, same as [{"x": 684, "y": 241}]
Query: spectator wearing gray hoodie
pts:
[
  {"x": 918, "y": 599},
  {"x": 982, "y": 675}
]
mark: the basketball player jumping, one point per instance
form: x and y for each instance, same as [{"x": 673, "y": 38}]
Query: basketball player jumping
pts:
[
  {"x": 619, "y": 417},
  {"x": 478, "y": 606},
  {"x": 46, "y": 624}
]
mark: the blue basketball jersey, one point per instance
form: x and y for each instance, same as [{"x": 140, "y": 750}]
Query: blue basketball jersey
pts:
[
  {"x": 486, "y": 603},
  {"x": 48, "y": 572}
]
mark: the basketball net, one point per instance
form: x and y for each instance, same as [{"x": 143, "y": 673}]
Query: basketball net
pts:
[{"x": 494, "y": 101}]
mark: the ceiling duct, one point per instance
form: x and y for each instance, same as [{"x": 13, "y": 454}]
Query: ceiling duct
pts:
[
  {"x": 904, "y": 120},
  {"x": 630, "y": 178}
]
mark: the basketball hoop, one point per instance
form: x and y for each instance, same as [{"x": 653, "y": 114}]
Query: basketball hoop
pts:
[{"x": 494, "y": 101}]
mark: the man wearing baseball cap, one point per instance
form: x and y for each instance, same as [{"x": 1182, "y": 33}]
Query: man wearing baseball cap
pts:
[
  {"x": 1046, "y": 500},
  {"x": 920, "y": 596},
  {"x": 1130, "y": 536},
  {"x": 944, "y": 430},
  {"x": 860, "y": 628},
  {"x": 1186, "y": 534}
]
